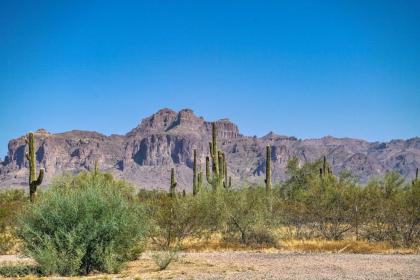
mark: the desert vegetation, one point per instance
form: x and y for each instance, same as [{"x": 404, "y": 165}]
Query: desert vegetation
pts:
[{"x": 92, "y": 222}]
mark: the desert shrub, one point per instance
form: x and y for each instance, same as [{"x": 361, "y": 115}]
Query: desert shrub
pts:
[
  {"x": 262, "y": 237},
  {"x": 330, "y": 207},
  {"x": 410, "y": 224},
  {"x": 393, "y": 210},
  {"x": 293, "y": 202},
  {"x": 307, "y": 205},
  {"x": 164, "y": 258},
  {"x": 247, "y": 212},
  {"x": 325, "y": 204},
  {"x": 175, "y": 218},
  {"x": 82, "y": 224},
  {"x": 18, "y": 270},
  {"x": 11, "y": 202}
]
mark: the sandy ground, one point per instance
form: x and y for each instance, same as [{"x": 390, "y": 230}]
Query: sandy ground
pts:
[{"x": 284, "y": 265}]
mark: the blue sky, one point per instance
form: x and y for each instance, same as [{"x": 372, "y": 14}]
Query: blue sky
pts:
[{"x": 302, "y": 68}]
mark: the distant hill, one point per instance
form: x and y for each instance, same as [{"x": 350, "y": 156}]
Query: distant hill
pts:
[{"x": 166, "y": 139}]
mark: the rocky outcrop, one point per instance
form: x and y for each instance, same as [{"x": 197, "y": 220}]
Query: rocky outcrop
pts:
[{"x": 166, "y": 139}]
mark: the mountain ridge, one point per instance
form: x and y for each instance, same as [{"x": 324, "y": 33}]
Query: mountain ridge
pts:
[{"x": 166, "y": 139}]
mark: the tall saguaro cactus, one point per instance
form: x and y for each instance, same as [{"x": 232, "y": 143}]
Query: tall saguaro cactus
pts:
[
  {"x": 34, "y": 182},
  {"x": 268, "y": 185},
  {"x": 217, "y": 177},
  {"x": 173, "y": 184},
  {"x": 325, "y": 170},
  {"x": 417, "y": 176},
  {"x": 197, "y": 176}
]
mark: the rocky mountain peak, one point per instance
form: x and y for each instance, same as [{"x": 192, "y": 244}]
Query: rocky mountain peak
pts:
[
  {"x": 42, "y": 131},
  {"x": 187, "y": 122},
  {"x": 167, "y": 139},
  {"x": 225, "y": 129},
  {"x": 158, "y": 122},
  {"x": 271, "y": 136}
]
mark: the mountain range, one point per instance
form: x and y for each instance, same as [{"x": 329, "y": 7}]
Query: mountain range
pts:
[{"x": 145, "y": 155}]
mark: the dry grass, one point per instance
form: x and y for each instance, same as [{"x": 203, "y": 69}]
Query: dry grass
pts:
[
  {"x": 344, "y": 246},
  {"x": 9, "y": 244},
  {"x": 215, "y": 243}
]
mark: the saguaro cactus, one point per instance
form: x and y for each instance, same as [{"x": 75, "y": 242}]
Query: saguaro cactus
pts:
[
  {"x": 34, "y": 182},
  {"x": 217, "y": 177},
  {"x": 173, "y": 184},
  {"x": 417, "y": 176},
  {"x": 197, "y": 176},
  {"x": 325, "y": 170},
  {"x": 268, "y": 185}
]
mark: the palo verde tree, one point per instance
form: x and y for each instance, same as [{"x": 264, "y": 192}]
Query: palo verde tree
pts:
[
  {"x": 217, "y": 177},
  {"x": 34, "y": 182}
]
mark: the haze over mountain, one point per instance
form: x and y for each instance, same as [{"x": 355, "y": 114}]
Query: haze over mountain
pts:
[{"x": 167, "y": 139}]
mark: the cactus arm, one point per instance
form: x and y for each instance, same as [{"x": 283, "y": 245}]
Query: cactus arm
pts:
[
  {"x": 208, "y": 170},
  {"x": 225, "y": 169},
  {"x": 211, "y": 149},
  {"x": 200, "y": 181},
  {"x": 40, "y": 177},
  {"x": 221, "y": 168}
]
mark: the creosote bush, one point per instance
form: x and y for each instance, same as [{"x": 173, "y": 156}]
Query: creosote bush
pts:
[{"x": 86, "y": 223}]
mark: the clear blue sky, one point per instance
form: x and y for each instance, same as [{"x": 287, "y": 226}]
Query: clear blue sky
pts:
[{"x": 302, "y": 68}]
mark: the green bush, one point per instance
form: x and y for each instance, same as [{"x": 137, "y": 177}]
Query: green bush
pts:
[
  {"x": 248, "y": 214},
  {"x": 83, "y": 224},
  {"x": 175, "y": 218},
  {"x": 392, "y": 210}
]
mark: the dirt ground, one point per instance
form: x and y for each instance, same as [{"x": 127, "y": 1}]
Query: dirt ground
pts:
[{"x": 279, "y": 265}]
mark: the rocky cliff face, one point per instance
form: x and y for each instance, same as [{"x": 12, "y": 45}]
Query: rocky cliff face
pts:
[{"x": 145, "y": 155}]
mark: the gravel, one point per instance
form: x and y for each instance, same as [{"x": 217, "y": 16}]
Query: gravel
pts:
[
  {"x": 280, "y": 265},
  {"x": 242, "y": 265}
]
